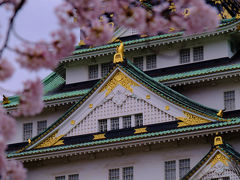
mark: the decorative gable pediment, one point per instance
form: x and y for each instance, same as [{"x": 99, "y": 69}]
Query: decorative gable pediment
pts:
[{"x": 119, "y": 95}]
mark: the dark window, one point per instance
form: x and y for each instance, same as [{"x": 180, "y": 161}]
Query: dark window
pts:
[
  {"x": 151, "y": 61},
  {"x": 138, "y": 62},
  {"x": 41, "y": 126},
  {"x": 27, "y": 131},
  {"x": 102, "y": 124},
  {"x": 105, "y": 69},
  {"x": 128, "y": 173},
  {"x": 126, "y": 121},
  {"x": 138, "y": 120},
  {"x": 184, "y": 56},
  {"x": 60, "y": 178},
  {"x": 229, "y": 100},
  {"x": 170, "y": 170},
  {"x": 73, "y": 177},
  {"x": 114, "y": 174},
  {"x": 184, "y": 167},
  {"x": 198, "y": 53},
  {"x": 93, "y": 71},
  {"x": 114, "y": 123}
]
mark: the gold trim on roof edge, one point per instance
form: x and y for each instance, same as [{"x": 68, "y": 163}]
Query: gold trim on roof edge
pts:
[
  {"x": 118, "y": 79},
  {"x": 53, "y": 140},
  {"x": 219, "y": 157},
  {"x": 191, "y": 119}
]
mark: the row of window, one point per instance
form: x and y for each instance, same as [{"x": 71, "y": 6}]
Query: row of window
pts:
[
  {"x": 93, "y": 70},
  {"x": 28, "y": 129},
  {"x": 197, "y": 53},
  {"x": 151, "y": 62},
  {"x": 70, "y": 177},
  {"x": 120, "y": 122},
  {"x": 116, "y": 174},
  {"x": 171, "y": 169}
]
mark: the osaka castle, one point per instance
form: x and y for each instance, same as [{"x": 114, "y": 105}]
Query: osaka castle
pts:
[{"x": 163, "y": 107}]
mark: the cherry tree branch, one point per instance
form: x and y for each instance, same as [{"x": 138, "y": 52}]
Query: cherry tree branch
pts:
[{"x": 11, "y": 23}]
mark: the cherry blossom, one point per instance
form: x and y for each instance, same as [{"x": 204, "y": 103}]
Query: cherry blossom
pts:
[
  {"x": 98, "y": 34},
  {"x": 30, "y": 99},
  {"x": 6, "y": 69}
]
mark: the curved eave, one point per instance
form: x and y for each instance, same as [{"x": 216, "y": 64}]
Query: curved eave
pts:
[{"x": 82, "y": 54}]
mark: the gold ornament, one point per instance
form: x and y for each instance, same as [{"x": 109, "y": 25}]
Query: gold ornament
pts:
[
  {"x": 72, "y": 122},
  {"x": 191, "y": 119},
  {"x": 5, "y": 100},
  {"x": 99, "y": 136},
  {"x": 219, "y": 157},
  {"x": 119, "y": 79},
  {"x": 218, "y": 140},
  {"x": 90, "y": 105},
  {"x": 51, "y": 141},
  {"x": 167, "y": 108},
  {"x": 118, "y": 57},
  {"x": 148, "y": 96},
  {"x": 140, "y": 130}
]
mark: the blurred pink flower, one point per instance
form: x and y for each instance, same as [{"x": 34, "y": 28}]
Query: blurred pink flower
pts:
[
  {"x": 30, "y": 99},
  {"x": 6, "y": 69},
  {"x": 15, "y": 170},
  {"x": 98, "y": 34}
]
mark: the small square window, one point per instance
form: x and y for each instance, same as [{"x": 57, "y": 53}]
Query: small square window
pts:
[
  {"x": 138, "y": 120},
  {"x": 229, "y": 100},
  {"x": 151, "y": 61},
  {"x": 198, "y": 53},
  {"x": 105, "y": 69},
  {"x": 184, "y": 56},
  {"x": 126, "y": 121},
  {"x": 128, "y": 173},
  {"x": 73, "y": 177},
  {"x": 170, "y": 170},
  {"x": 93, "y": 71},
  {"x": 60, "y": 178},
  {"x": 41, "y": 126},
  {"x": 27, "y": 131},
  {"x": 114, "y": 123},
  {"x": 138, "y": 62},
  {"x": 184, "y": 167},
  {"x": 114, "y": 174},
  {"x": 102, "y": 124}
]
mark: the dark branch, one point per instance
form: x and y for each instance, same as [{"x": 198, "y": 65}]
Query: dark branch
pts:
[{"x": 11, "y": 23}]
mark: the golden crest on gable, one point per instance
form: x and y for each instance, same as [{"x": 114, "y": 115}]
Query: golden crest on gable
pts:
[{"x": 119, "y": 79}]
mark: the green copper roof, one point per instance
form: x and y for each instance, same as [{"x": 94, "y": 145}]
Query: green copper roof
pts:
[
  {"x": 52, "y": 81},
  {"x": 224, "y": 22},
  {"x": 197, "y": 72},
  {"x": 128, "y": 138}
]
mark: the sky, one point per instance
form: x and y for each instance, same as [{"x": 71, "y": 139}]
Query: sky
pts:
[{"x": 34, "y": 22}]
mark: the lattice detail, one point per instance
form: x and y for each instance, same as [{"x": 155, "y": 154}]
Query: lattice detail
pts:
[
  {"x": 220, "y": 172},
  {"x": 109, "y": 109}
]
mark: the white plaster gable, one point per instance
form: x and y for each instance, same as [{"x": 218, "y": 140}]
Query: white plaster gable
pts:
[
  {"x": 219, "y": 169},
  {"x": 117, "y": 102}
]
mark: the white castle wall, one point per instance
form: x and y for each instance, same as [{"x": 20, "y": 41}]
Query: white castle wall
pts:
[
  {"x": 109, "y": 109},
  {"x": 147, "y": 164},
  {"x": 211, "y": 94}
]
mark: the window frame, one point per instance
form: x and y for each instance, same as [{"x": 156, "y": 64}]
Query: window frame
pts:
[
  {"x": 181, "y": 169},
  {"x": 138, "y": 122},
  {"x": 185, "y": 55},
  {"x": 114, "y": 120},
  {"x": 102, "y": 127},
  {"x": 72, "y": 176},
  {"x": 41, "y": 129},
  {"x": 127, "y": 121},
  {"x": 126, "y": 176},
  {"x": 136, "y": 61},
  {"x": 229, "y": 100},
  {"x": 94, "y": 74},
  {"x": 107, "y": 66},
  {"x": 25, "y": 136},
  {"x": 63, "y": 176},
  {"x": 152, "y": 62},
  {"x": 170, "y": 170},
  {"x": 114, "y": 176},
  {"x": 198, "y": 53}
]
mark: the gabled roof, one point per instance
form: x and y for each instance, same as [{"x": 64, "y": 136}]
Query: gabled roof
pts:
[
  {"x": 155, "y": 87},
  {"x": 224, "y": 150}
]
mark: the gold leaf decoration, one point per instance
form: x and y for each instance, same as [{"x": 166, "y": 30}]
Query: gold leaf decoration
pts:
[
  {"x": 99, "y": 136},
  {"x": 119, "y": 79},
  {"x": 51, "y": 141},
  {"x": 191, "y": 119},
  {"x": 140, "y": 130},
  {"x": 219, "y": 157}
]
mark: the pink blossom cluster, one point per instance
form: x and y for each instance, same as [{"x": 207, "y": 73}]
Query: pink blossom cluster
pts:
[
  {"x": 30, "y": 99},
  {"x": 6, "y": 69},
  {"x": 8, "y": 168}
]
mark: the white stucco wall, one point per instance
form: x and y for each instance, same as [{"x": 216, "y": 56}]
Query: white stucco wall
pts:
[
  {"x": 212, "y": 94},
  {"x": 51, "y": 115},
  {"x": 146, "y": 164}
]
